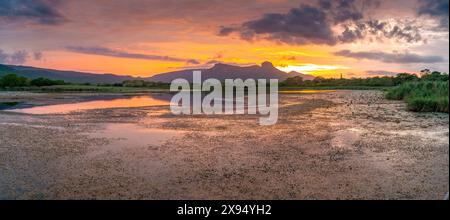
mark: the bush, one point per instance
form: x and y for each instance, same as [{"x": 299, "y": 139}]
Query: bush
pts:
[
  {"x": 423, "y": 96},
  {"x": 435, "y": 76},
  {"x": 13, "y": 80},
  {"x": 386, "y": 81},
  {"x": 143, "y": 83},
  {"x": 39, "y": 82},
  {"x": 405, "y": 77},
  {"x": 428, "y": 104}
]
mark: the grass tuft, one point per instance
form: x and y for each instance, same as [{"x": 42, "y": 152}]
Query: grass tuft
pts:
[{"x": 423, "y": 96}]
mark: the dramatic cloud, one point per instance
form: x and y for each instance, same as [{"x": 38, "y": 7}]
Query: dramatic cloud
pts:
[
  {"x": 102, "y": 51},
  {"x": 185, "y": 33},
  {"x": 344, "y": 10},
  {"x": 37, "y": 11},
  {"x": 390, "y": 57},
  {"x": 437, "y": 9},
  {"x": 399, "y": 31},
  {"x": 306, "y": 24},
  {"x": 316, "y": 24}
]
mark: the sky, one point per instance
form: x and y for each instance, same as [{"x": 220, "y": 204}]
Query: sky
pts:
[{"x": 356, "y": 38}]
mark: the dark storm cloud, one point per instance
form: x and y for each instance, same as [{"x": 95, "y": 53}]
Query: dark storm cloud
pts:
[
  {"x": 343, "y": 10},
  {"x": 390, "y": 57},
  {"x": 314, "y": 24},
  {"x": 37, "y": 11},
  {"x": 437, "y": 9},
  {"x": 103, "y": 51},
  {"x": 306, "y": 24}
]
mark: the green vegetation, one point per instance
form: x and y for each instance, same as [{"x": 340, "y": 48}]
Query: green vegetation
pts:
[
  {"x": 12, "y": 80},
  {"x": 18, "y": 83},
  {"x": 39, "y": 82},
  {"x": 373, "y": 82},
  {"x": 434, "y": 76},
  {"x": 143, "y": 83},
  {"x": 422, "y": 96},
  {"x": 15, "y": 81},
  {"x": 428, "y": 93},
  {"x": 298, "y": 82}
]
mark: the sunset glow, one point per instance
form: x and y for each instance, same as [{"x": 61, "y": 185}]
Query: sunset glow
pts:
[
  {"x": 144, "y": 38},
  {"x": 312, "y": 68},
  {"x": 221, "y": 108}
]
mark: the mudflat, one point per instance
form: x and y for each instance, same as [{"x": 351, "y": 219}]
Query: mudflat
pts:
[{"x": 327, "y": 145}]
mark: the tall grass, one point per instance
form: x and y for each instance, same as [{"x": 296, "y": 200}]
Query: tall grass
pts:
[{"x": 422, "y": 96}]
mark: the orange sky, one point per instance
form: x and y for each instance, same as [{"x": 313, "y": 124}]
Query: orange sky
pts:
[{"x": 143, "y": 38}]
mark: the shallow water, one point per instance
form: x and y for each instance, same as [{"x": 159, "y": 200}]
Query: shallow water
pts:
[
  {"x": 135, "y": 101},
  {"x": 138, "y": 101},
  {"x": 105, "y": 102},
  {"x": 122, "y": 137},
  {"x": 133, "y": 135}
]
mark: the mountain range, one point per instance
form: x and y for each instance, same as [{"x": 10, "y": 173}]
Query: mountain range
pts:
[
  {"x": 219, "y": 71},
  {"x": 68, "y": 76},
  {"x": 225, "y": 71}
]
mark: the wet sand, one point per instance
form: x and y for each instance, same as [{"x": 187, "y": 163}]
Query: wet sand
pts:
[{"x": 335, "y": 145}]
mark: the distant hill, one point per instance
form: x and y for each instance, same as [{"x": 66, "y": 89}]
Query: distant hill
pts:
[
  {"x": 68, "y": 76},
  {"x": 225, "y": 71},
  {"x": 6, "y": 69},
  {"x": 218, "y": 71}
]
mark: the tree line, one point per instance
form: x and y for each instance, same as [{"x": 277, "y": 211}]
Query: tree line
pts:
[
  {"x": 386, "y": 81},
  {"x": 13, "y": 80}
]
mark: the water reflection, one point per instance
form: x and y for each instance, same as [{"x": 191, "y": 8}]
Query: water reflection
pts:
[
  {"x": 136, "y": 101},
  {"x": 132, "y": 135},
  {"x": 159, "y": 99},
  {"x": 106, "y": 102}
]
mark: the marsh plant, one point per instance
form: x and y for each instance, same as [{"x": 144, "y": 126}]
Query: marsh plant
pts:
[{"x": 422, "y": 96}]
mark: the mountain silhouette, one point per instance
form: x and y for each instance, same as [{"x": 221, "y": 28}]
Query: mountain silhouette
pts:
[
  {"x": 225, "y": 71},
  {"x": 219, "y": 71},
  {"x": 68, "y": 76}
]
